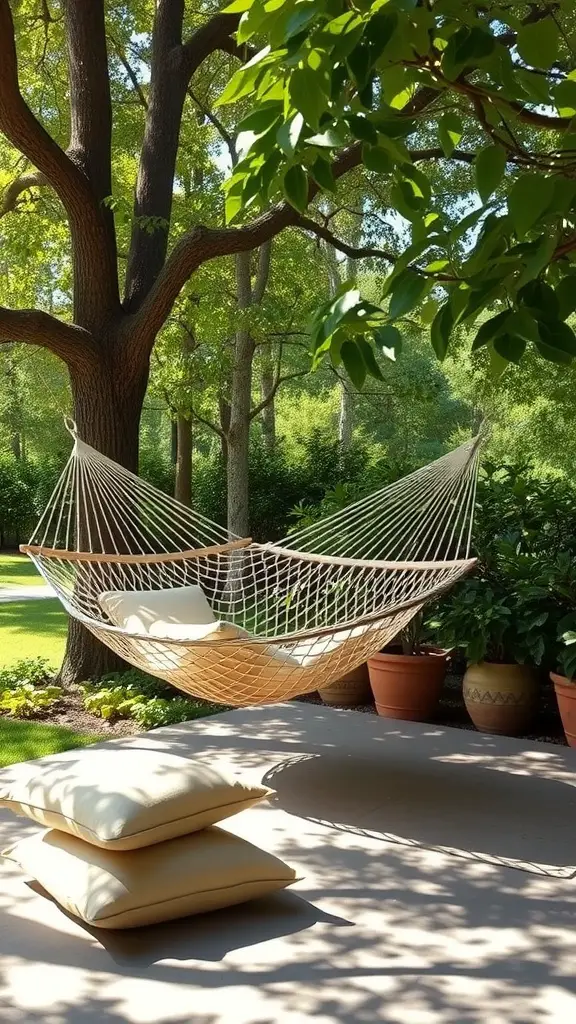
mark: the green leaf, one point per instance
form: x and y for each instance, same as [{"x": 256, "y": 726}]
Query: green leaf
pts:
[
  {"x": 557, "y": 341},
  {"x": 241, "y": 84},
  {"x": 321, "y": 171},
  {"x": 537, "y": 87},
  {"x": 441, "y": 329},
  {"x": 238, "y": 7},
  {"x": 565, "y": 98},
  {"x": 540, "y": 298},
  {"x": 498, "y": 364},
  {"x": 376, "y": 158},
  {"x": 330, "y": 139},
  {"x": 537, "y": 43},
  {"x": 302, "y": 15},
  {"x": 405, "y": 293},
  {"x": 306, "y": 95},
  {"x": 422, "y": 188},
  {"x": 509, "y": 347},
  {"x": 362, "y": 128},
  {"x": 353, "y": 363},
  {"x": 295, "y": 187},
  {"x": 489, "y": 168},
  {"x": 428, "y": 311},
  {"x": 566, "y": 295},
  {"x": 529, "y": 197},
  {"x": 522, "y": 325},
  {"x": 289, "y": 133},
  {"x": 489, "y": 329},
  {"x": 450, "y": 132},
  {"x": 389, "y": 341},
  {"x": 359, "y": 64},
  {"x": 369, "y": 358},
  {"x": 260, "y": 120}
]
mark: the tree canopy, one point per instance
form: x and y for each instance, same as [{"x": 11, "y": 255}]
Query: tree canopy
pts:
[{"x": 424, "y": 95}]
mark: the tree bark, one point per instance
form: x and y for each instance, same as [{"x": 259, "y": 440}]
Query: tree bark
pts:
[
  {"x": 345, "y": 416},
  {"x": 173, "y": 443},
  {"x": 241, "y": 391},
  {"x": 239, "y": 430},
  {"x": 107, "y": 406},
  {"x": 268, "y": 414},
  {"x": 183, "y": 482}
]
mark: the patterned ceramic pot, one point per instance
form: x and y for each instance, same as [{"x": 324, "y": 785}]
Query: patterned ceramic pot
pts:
[
  {"x": 350, "y": 690},
  {"x": 500, "y": 698}
]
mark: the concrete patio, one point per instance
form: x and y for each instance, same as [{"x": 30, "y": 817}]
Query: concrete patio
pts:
[{"x": 437, "y": 887}]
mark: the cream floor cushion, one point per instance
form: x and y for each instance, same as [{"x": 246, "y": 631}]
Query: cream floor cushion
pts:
[
  {"x": 127, "y": 798},
  {"x": 189, "y": 875}
]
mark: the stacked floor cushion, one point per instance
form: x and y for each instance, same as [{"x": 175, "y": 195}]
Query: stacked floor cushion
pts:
[{"x": 130, "y": 837}]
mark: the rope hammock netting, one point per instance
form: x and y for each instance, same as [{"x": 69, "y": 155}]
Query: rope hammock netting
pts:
[{"x": 275, "y": 620}]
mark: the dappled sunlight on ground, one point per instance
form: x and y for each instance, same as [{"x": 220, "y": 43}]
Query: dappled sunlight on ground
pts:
[{"x": 397, "y": 931}]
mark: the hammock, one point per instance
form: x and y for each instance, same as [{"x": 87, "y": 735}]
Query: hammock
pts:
[{"x": 293, "y": 616}]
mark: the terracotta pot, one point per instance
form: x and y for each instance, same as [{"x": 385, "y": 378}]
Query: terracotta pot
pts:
[
  {"x": 565, "y": 690},
  {"x": 407, "y": 686},
  {"x": 350, "y": 690},
  {"x": 500, "y": 698}
]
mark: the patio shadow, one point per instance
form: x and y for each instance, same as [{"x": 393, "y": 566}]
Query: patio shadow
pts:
[
  {"x": 466, "y": 810},
  {"x": 207, "y": 937}
]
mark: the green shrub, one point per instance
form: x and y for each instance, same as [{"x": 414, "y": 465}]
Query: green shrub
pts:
[
  {"x": 132, "y": 700},
  {"x": 143, "y": 683},
  {"x": 525, "y": 584},
  {"x": 26, "y": 700},
  {"x": 110, "y": 702},
  {"x": 32, "y": 671},
  {"x": 151, "y": 714}
]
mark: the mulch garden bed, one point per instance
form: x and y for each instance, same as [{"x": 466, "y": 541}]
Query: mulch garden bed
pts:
[{"x": 70, "y": 712}]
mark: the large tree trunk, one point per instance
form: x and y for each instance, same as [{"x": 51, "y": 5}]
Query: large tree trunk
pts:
[
  {"x": 183, "y": 483},
  {"x": 346, "y": 416},
  {"x": 107, "y": 404},
  {"x": 239, "y": 429},
  {"x": 268, "y": 414}
]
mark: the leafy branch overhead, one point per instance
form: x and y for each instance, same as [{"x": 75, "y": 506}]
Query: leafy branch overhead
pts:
[{"x": 464, "y": 115}]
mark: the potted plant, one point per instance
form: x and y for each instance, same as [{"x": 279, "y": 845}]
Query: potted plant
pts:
[
  {"x": 564, "y": 679},
  {"x": 503, "y": 634},
  {"x": 350, "y": 691},
  {"x": 407, "y": 676}
]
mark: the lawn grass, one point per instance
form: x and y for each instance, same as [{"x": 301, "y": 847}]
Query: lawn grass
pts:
[
  {"x": 18, "y": 571},
  {"x": 32, "y": 629},
  {"x": 25, "y": 741}
]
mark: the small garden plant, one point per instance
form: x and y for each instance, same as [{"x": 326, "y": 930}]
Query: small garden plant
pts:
[
  {"x": 144, "y": 699},
  {"x": 27, "y": 690}
]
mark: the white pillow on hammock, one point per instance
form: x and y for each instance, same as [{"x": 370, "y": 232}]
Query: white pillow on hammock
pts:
[
  {"x": 138, "y": 610},
  {"x": 218, "y": 630}
]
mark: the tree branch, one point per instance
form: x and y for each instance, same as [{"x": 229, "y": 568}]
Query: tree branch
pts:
[
  {"x": 356, "y": 252},
  {"x": 13, "y": 192},
  {"x": 223, "y": 132},
  {"x": 74, "y": 345},
  {"x": 214, "y": 35},
  {"x": 95, "y": 280},
  {"x": 24, "y": 131},
  {"x": 208, "y": 423},
  {"x": 272, "y": 393},
  {"x": 154, "y": 188},
  {"x": 129, "y": 71},
  {"x": 202, "y": 244}
]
